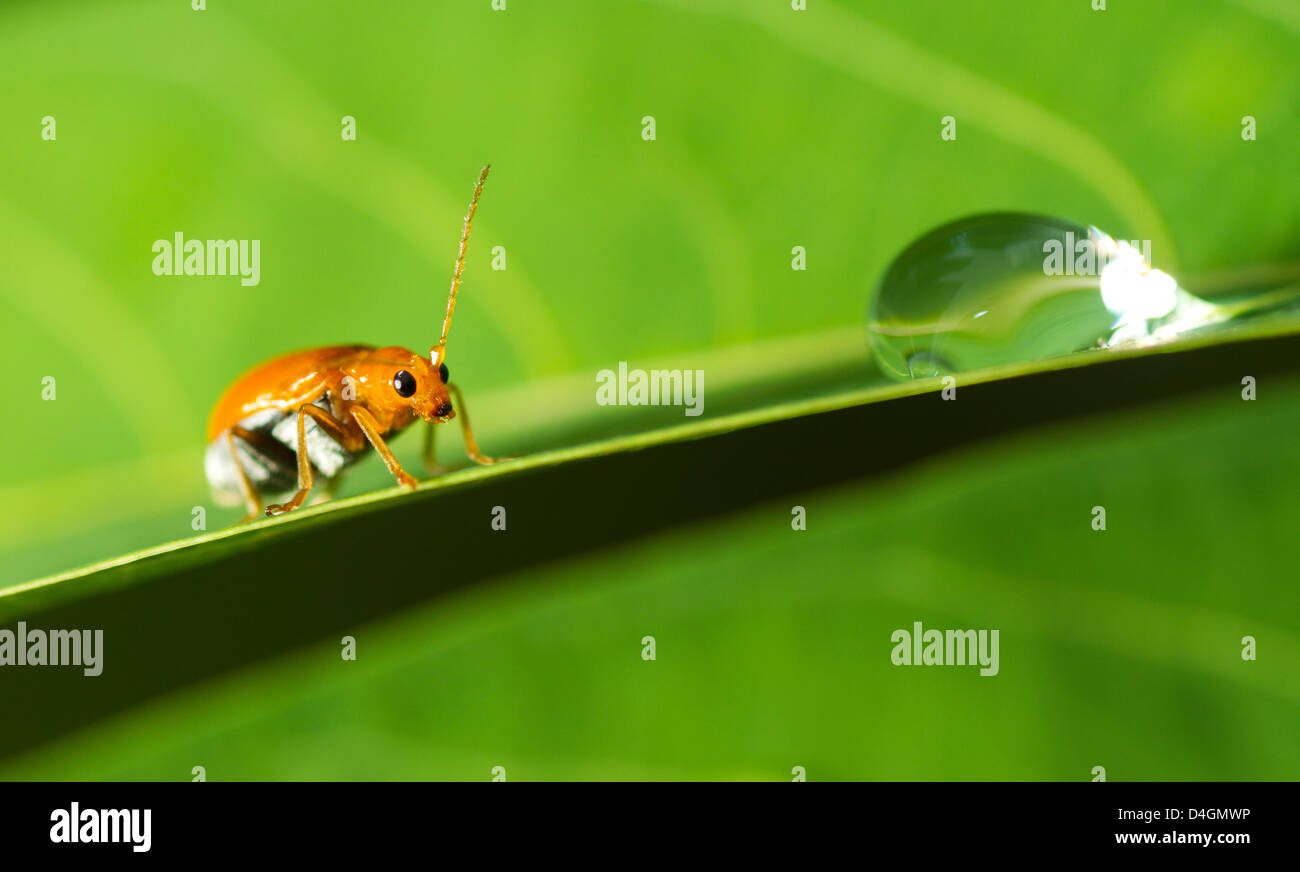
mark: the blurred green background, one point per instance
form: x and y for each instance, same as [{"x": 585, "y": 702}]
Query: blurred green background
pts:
[{"x": 775, "y": 128}]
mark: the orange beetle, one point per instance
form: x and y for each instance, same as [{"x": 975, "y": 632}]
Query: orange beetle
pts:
[{"x": 319, "y": 409}]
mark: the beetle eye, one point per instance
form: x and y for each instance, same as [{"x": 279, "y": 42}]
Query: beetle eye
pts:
[
  {"x": 442, "y": 371},
  {"x": 404, "y": 383}
]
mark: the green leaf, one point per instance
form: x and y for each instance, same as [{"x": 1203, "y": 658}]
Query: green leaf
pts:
[{"x": 522, "y": 647}]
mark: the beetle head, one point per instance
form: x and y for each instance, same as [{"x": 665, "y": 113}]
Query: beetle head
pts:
[{"x": 394, "y": 379}]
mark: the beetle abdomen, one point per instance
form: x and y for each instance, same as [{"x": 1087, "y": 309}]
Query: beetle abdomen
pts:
[{"x": 270, "y": 458}]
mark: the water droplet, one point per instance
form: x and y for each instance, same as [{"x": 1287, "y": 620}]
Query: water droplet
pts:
[{"x": 1008, "y": 287}]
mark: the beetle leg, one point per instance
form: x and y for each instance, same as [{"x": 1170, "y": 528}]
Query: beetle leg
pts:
[
  {"x": 304, "y": 470},
  {"x": 335, "y": 431},
  {"x": 251, "y": 499},
  {"x": 370, "y": 427},
  {"x": 471, "y": 444}
]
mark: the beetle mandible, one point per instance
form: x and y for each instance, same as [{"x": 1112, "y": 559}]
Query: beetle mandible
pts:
[{"x": 315, "y": 412}]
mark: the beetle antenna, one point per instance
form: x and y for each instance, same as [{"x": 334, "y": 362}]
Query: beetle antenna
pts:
[{"x": 460, "y": 258}]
